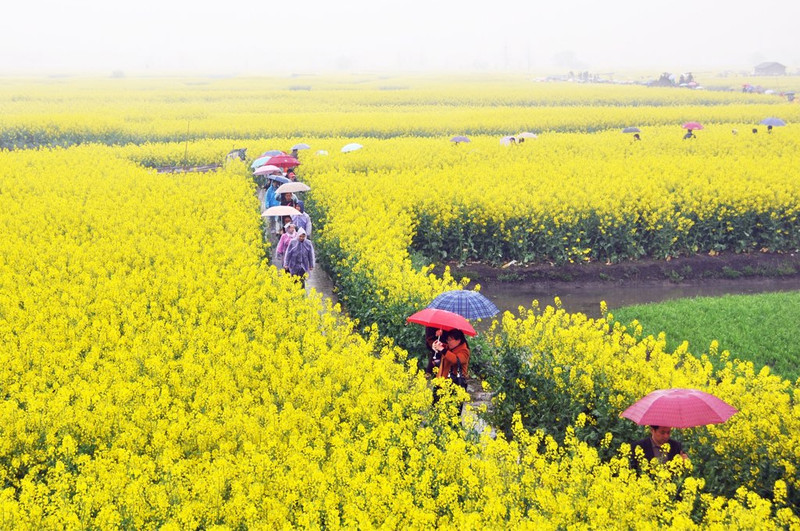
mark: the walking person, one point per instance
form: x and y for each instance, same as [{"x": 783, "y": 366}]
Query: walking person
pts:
[
  {"x": 302, "y": 220},
  {"x": 271, "y": 199},
  {"x": 289, "y": 235},
  {"x": 659, "y": 445},
  {"x": 454, "y": 352},
  {"x": 299, "y": 260}
]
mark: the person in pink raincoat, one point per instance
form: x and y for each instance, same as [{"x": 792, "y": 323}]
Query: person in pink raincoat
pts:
[{"x": 289, "y": 234}]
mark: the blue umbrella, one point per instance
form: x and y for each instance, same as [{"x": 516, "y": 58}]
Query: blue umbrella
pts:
[
  {"x": 631, "y": 130},
  {"x": 467, "y": 304},
  {"x": 260, "y": 161},
  {"x": 458, "y": 139},
  {"x": 775, "y": 122},
  {"x": 282, "y": 180}
]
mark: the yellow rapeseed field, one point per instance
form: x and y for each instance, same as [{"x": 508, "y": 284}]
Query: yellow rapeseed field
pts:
[{"x": 157, "y": 372}]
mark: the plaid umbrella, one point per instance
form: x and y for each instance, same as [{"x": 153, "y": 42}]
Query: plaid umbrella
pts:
[
  {"x": 468, "y": 304},
  {"x": 679, "y": 408}
]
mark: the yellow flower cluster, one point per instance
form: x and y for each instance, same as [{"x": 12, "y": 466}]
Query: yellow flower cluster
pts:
[
  {"x": 157, "y": 373},
  {"x": 572, "y": 197},
  {"x": 121, "y": 111},
  {"x": 604, "y": 368}
]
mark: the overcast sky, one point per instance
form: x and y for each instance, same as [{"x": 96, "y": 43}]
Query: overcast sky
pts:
[{"x": 307, "y": 36}]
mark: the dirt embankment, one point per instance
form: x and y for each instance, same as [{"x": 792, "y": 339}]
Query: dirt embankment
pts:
[{"x": 691, "y": 268}]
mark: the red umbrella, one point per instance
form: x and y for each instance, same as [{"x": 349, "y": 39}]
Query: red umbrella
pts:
[
  {"x": 442, "y": 319},
  {"x": 284, "y": 161},
  {"x": 679, "y": 408},
  {"x": 694, "y": 126}
]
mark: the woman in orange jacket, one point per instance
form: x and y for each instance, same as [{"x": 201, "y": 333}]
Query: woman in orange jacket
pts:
[
  {"x": 456, "y": 349},
  {"x": 454, "y": 352}
]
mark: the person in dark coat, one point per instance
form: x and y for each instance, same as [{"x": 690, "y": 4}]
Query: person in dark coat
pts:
[{"x": 653, "y": 446}]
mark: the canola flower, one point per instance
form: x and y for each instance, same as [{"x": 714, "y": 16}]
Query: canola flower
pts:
[
  {"x": 157, "y": 373},
  {"x": 135, "y": 111},
  {"x": 593, "y": 369}
]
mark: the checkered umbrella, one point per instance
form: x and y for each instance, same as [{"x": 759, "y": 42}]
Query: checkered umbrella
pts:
[{"x": 468, "y": 304}]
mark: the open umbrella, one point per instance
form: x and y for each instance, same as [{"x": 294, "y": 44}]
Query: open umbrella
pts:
[
  {"x": 467, "y": 304},
  {"x": 459, "y": 139},
  {"x": 679, "y": 408},
  {"x": 631, "y": 130},
  {"x": 273, "y": 153},
  {"x": 292, "y": 187},
  {"x": 280, "y": 178},
  {"x": 284, "y": 161},
  {"x": 351, "y": 147},
  {"x": 693, "y": 126},
  {"x": 508, "y": 140},
  {"x": 301, "y": 145},
  {"x": 526, "y": 134},
  {"x": 260, "y": 161},
  {"x": 280, "y": 210},
  {"x": 442, "y": 319},
  {"x": 266, "y": 169},
  {"x": 321, "y": 152},
  {"x": 775, "y": 122}
]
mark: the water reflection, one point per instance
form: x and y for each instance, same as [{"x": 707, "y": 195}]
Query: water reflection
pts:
[{"x": 585, "y": 298}]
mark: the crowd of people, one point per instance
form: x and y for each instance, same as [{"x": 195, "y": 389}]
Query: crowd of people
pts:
[
  {"x": 448, "y": 350},
  {"x": 294, "y": 250}
]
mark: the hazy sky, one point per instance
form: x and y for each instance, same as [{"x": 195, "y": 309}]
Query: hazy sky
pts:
[{"x": 268, "y": 37}]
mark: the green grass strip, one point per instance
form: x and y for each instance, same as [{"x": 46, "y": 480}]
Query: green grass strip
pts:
[{"x": 760, "y": 328}]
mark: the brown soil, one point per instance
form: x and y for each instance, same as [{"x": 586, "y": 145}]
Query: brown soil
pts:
[{"x": 690, "y": 268}]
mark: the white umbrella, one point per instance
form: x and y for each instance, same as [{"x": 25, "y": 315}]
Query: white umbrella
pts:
[
  {"x": 267, "y": 169},
  {"x": 280, "y": 210},
  {"x": 526, "y": 134},
  {"x": 351, "y": 147},
  {"x": 507, "y": 140},
  {"x": 301, "y": 145},
  {"x": 289, "y": 188}
]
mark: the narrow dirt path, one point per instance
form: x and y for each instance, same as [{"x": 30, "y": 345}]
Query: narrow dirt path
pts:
[{"x": 320, "y": 280}]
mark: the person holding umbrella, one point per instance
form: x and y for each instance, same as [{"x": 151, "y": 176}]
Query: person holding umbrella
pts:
[
  {"x": 454, "y": 352},
  {"x": 653, "y": 447},
  {"x": 433, "y": 335},
  {"x": 665, "y": 409}
]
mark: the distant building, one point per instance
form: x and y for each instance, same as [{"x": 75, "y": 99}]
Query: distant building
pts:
[{"x": 769, "y": 69}]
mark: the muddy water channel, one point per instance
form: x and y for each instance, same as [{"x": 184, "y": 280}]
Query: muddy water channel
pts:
[{"x": 585, "y": 297}]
